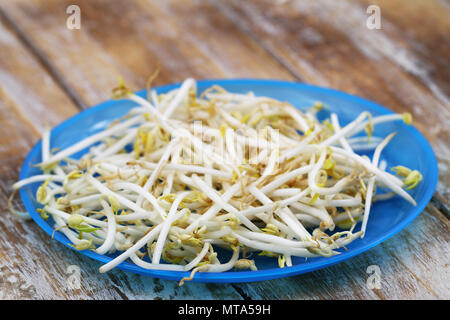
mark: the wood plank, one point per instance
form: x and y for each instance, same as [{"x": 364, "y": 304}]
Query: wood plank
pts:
[
  {"x": 32, "y": 266},
  {"x": 175, "y": 35},
  {"x": 402, "y": 66},
  {"x": 21, "y": 104},
  {"x": 411, "y": 267},
  {"x": 424, "y": 27},
  {"x": 326, "y": 43},
  {"x": 130, "y": 39},
  {"x": 316, "y": 39},
  {"x": 92, "y": 80}
]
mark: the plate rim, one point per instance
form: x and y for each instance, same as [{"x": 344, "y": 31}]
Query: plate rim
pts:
[{"x": 243, "y": 276}]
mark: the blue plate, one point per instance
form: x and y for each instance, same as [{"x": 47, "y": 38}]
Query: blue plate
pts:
[{"x": 408, "y": 148}]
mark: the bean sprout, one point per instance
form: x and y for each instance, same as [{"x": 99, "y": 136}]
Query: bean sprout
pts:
[{"x": 182, "y": 174}]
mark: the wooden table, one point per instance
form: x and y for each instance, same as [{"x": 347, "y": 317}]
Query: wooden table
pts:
[{"x": 49, "y": 72}]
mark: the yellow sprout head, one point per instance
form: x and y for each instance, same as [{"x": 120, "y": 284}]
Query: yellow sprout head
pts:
[
  {"x": 413, "y": 179},
  {"x": 121, "y": 91},
  {"x": 407, "y": 118}
]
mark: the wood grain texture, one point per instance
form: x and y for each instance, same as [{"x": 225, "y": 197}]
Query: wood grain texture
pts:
[
  {"x": 321, "y": 42},
  {"x": 131, "y": 38},
  {"x": 404, "y": 265},
  {"x": 326, "y": 42},
  {"x": 32, "y": 266}
]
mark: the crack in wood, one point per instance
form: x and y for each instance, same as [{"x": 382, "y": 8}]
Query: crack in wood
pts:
[
  {"x": 441, "y": 207},
  {"x": 241, "y": 292}
]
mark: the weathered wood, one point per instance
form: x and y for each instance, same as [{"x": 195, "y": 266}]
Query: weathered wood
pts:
[
  {"x": 130, "y": 39},
  {"x": 286, "y": 39},
  {"x": 32, "y": 266},
  {"x": 405, "y": 271},
  {"x": 326, "y": 42}
]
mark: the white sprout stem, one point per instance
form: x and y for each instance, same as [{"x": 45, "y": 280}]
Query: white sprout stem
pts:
[
  {"x": 290, "y": 153},
  {"x": 230, "y": 146},
  {"x": 313, "y": 174},
  {"x": 364, "y": 143},
  {"x": 377, "y": 120},
  {"x": 293, "y": 251},
  {"x": 199, "y": 257},
  {"x": 268, "y": 238},
  {"x": 170, "y": 177},
  {"x": 125, "y": 255},
  {"x": 181, "y": 94},
  {"x": 322, "y": 215},
  {"x": 91, "y": 140},
  {"x": 307, "y": 220},
  {"x": 371, "y": 184},
  {"x": 37, "y": 178},
  {"x": 284, "y": 214},
  {"x": 344, "y": 131},
  {"x": 154, "y": 97},
  {"x": 122, "y": 200},
  {"x": 159, "y": 117},
  {"x": 59, "y": 223},
  {"x": 46, "y": 144},
  {"x": 290, "y": 192},
  {"x": 337, "y": 128},
  {"x": 165, "y": 157},
  {"x": 188, "y": 168},
  {"x": 171, "y": 216},
  {"x": 216, "y": 198},
  {"x": 224, "y": 266},
  {"x": 239, "y": 98},
  {"x": 86, "y": 199},
  {"x": 178, "y": 133},
  {"x": 110, "y": 235},
  {"x": 215, "y": 208},
  {"x": 298, "y": 117},
  {"x": 66, "y": 216},
  {"x": 119, "y": 145},
  {"x": 280, "y": 180},
  {"x": 381, "y": 175},
  {"x": 152, "y": 266},
  {"x": 144, "y": 193}
]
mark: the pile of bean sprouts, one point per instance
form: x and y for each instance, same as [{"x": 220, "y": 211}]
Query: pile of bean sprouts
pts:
[{"x": 183, "y": 174}]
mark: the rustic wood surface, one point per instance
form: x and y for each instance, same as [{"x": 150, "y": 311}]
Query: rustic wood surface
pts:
[{"x": 48, "y": 73}]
